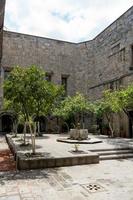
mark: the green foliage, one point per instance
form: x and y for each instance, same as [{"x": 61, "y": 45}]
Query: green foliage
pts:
[
  {"x": 125, "y": 97},
  {"x": 29, "y": 93},
  {"x": 108, "y": 104},
  {"x": 117, "y": 101},
  {"x": 71, "y": 106}
]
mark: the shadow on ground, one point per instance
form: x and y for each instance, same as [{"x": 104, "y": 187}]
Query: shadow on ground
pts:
[
  {"x": 117, "y": 142},
  {"x": 24, "y": 175}
]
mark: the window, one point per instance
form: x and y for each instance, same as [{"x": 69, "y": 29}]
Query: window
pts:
[
  {"x": 122, "y": 55},
  {"x": 48, "y": 77},
  {"x": 111, "y": 87},
  {"x": 6, "y": 74},
  {"x": 64, "y": 82},
  {"x": 132, "y": 56},
  {"x": 115, "y": 85},
  {"x": 115, "y": 48},
  {"x": 131, "y": 66}
]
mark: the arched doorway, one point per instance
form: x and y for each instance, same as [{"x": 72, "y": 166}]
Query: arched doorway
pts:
[
  {"x": 7, "y": 123},
  {"x": 7, "y": 120}
]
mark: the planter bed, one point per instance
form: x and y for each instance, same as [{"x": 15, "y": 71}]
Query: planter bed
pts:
[{"x": 25, "y": 160}]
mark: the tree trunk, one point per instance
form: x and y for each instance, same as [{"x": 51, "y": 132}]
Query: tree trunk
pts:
[
  {"x": 77, "y": 120},
  {"x": 32, "y": 139},
  {"x": 83, "y": 121},
  {"x": 38, "y": 127},
  {"x": 15, "y": 128},
  {"x": 110, "y": 126},
  {"x": 24, "y": 132},
  {"x": 111, "y": 129}
]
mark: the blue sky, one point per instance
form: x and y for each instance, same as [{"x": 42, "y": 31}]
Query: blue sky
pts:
[{"x": 70, "y": 20}]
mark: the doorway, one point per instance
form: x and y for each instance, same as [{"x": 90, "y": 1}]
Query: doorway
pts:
[
  {"x": 7, "y": 123},
  {"x": 131, "y": 124}
]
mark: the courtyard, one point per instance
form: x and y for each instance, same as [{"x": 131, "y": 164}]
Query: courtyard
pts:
[
  {"x": 113, "y": 180},
  {"x": 110, "y": 179},
  {"x": 66, "y": 103}
]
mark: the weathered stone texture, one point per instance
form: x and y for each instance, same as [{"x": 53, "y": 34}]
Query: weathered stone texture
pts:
[
  {"x": 55, "y": 57},
  {"x": 84, "y": 66},
  {"x": 91, "y": 67},
  {"x": 112, "y": 52},
  {"x": 2, "y": 10}
]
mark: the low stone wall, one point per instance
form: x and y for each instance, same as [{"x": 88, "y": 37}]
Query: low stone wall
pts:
[
  {"x": 39, "y": 161},
  {"x": 11, "y": 146}
]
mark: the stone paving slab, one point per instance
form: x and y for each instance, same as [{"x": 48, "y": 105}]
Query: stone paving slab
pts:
[
  {"x": 49, "y": 145},
  {"x": 69, "y": 183},
  {"x": 3, "y": 144},
  {"x": 57, "y": 154}
]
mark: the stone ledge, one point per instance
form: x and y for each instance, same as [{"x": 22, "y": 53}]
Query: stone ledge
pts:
[
  {"x": 39, "y": 162},
  {"x": 70, "y": 141}
]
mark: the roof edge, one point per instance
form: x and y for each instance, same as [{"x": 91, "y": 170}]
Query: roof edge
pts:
[
  {"x": 74, "y": 43},
  {"x": 36, "y": 36}
]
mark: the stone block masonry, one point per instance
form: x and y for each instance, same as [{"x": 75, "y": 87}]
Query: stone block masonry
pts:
[
  {"x": 2, "y": 11},
  {"x": 55, "y": 57},
  {"x": 106, "y": 62},
  {"x": 89, "y": 66}
]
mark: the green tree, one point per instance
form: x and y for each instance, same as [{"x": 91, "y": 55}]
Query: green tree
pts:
[
  {"x": 124, "y": 100},
  {"x": 31, "y": 95},
  {"x": 106, "y": 107},
  {"x": 73, "y": 106}
]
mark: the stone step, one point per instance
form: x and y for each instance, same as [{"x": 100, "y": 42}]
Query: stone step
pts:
[
  {"x": 113, "y": 152},
  {"x": 116, "y": 156},
  {"x": 111, "y": 149}
]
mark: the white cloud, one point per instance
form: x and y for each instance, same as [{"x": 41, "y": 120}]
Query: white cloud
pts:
[{"x": 72, "y": 20}]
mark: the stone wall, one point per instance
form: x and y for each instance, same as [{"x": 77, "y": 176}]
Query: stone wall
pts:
[
  {"x": 84, "y": 66},
  {"x": 2, "y": 11},
  {"x": 55, "y": 57},
  {"x": 91, "y": 67},
  {"x": 112, "y": 54}
]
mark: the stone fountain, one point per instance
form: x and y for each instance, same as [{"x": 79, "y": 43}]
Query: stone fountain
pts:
[{"x": 78, "y": 134}]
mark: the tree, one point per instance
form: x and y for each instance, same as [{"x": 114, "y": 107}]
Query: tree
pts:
[
  {"x": 30, "y": 95},
  {"x": 124, "y": 100},
  {"x": 73, "y": 106},
  {"x": 106, "y": 107}
]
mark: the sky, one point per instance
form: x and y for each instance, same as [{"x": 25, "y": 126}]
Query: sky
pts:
[{"x": 69, "y": 20}]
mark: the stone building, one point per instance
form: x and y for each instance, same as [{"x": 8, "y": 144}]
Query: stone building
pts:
[
  {"x": 2, "y": 10},
  {"x": 88, "y": 67}
]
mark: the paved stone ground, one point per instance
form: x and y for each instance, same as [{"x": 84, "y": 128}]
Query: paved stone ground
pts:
[
  {"x": 50, "y": 146},
  {"x": 112, "y": 179},
  {"x": 6, "y": 158},
  {"x": 109, "y": 180}
]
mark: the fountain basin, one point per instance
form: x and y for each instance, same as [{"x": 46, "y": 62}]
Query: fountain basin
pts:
[{"x": 78, "y": 134}]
